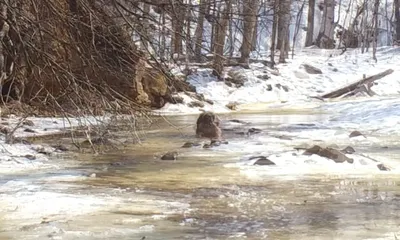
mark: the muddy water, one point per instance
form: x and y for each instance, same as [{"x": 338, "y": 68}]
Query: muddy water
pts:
[{"x": 131, "y": 194}]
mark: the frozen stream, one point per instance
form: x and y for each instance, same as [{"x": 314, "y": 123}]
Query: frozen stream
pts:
[{"x": 217, "y": 193}]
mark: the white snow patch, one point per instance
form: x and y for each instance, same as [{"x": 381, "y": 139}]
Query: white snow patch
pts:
[
  {"x": 19, "y": 157},
  {"x": 337, "y": 71}
]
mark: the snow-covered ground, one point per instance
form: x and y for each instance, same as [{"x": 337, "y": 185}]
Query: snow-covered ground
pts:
[
  {"x": 337, "y": 71},
  {"x": 23, "y": 156}
]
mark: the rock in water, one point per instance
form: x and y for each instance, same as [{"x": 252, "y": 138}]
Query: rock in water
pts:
[
  {"x": 382, "y": 167},
  {"x": 261, "y": 160},
  {"x": 214, "y": 143},
  {"x": 254, "y": 131},
  {"x": 355, "y": 134},
  {"x": 312, "y": 150},
  {"x": 348, "y": 150},
  {"x": 171, "y": 156},
  {"x": 335, "y": 155},
  {"x": 330, "y": 153},
  {"x": 190, "y": 144}
]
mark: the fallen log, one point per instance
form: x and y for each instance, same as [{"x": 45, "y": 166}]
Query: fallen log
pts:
[{"x": 366, "y": 82}]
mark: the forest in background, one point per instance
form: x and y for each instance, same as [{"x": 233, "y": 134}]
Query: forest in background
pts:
[{"x": 97, "y": 56}]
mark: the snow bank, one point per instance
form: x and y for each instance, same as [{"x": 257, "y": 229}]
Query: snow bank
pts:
[
  {"x": 294, "y": 86},
  {"x": 21, "y": 157}
]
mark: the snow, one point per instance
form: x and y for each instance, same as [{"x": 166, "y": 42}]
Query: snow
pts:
[
  {"x": 337, "y": 71},
  {"x": 22, "y": 157}
]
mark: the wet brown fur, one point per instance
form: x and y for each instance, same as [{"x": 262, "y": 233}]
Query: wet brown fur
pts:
[{"x": 208, "y": 126}]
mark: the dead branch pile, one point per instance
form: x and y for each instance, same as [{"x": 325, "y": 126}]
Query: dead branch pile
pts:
[{"x": 75, "y": 56}]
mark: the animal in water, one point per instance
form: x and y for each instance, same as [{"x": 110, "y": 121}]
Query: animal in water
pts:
[{"x": 208, "y": 126}]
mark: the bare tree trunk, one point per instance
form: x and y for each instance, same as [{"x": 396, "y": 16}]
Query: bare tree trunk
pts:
[
  {"x": 3, "y": 33},
  {"x": 254, "y": 36},
  {"x": 397, "y": 17},
  {"x": 375, "y": 40},
  {"x": 199, "y": 30},
  {"x": 13, "y": 64},
  {"x": 367, "y": 32},
  {"x": 297, "y": 27},
  {"x": 219, "y": 43},
  {"x": 325, "y": 36},
  {"x": 178, "y": 18},
  {"x": 231, "y": 36},
  {"x": 212, "y": 15},
  {"x": 310, "y": 24},
  {"x": 279, "y": 34},
  {"x": 284, "y": 21},
  {"x": 389, "y": 32},
  {"x": 144, "y": 36},
  {"x": 274, "y": 29},
  {"x": 250, "y": 8},
  {"x": 163, "y": 34},
  {"x": 363, "y": 27},
  {"x": 188, "y": 40}
]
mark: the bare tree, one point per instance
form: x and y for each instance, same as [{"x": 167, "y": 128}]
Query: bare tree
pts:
[
  {"x": 188, "y": 40},
  {"x": 310, "y": 23},
  {"x": 375, "y": 35},
  {"x": 250, "y": 8},
  {"x": 144, "y": 35},
  {"x": 274, "y": 30},
  {"x": 254, "y": 36},
  {"x": 231, "y": 37},
  {"x": 200, "y": 29},
  {"x": 297, "y": 27},
  {"x": 283, "y": 29},
  {"x": 211, "y": 18},
  {"x": 178, "y": 18},
  {"x": 327, "y": 26},
  {"x": 220, "y": 35},
  {"x": 363, "y": 29},
  {"x": 397, "y": 18}
]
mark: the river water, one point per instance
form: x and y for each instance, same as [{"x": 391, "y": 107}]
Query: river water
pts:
[{"x": 213, "y": 193}]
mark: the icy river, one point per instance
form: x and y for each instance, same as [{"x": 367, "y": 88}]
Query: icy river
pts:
[{"x": 217, "y": 193}]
